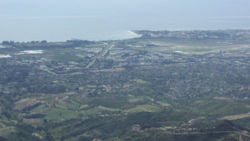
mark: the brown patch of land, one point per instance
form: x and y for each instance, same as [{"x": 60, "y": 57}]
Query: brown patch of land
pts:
[
  {"x": 235, "y": 117},
  {"x": 25, "y": 103}
]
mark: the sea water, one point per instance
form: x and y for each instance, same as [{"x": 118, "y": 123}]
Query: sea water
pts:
[{"x": 61, "y": 28}]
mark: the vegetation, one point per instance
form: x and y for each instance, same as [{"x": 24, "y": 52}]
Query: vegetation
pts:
[{"x": 181, "y": 85}]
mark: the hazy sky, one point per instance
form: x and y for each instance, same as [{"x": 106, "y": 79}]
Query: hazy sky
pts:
[{"x": 90, "y": 19}]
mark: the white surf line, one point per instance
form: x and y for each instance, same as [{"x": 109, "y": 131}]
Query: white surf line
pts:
[{"x": 135, "y": 35}]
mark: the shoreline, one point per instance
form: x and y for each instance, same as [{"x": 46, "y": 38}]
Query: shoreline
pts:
[
  {"x": 119, "y": 35},
  {"x": 136, "y": 35}
]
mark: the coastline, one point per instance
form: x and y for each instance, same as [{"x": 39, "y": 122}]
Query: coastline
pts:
[{"x": 134, "y": 34}]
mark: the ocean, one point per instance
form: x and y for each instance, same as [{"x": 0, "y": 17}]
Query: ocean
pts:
[{"x": 95, "y": 28}]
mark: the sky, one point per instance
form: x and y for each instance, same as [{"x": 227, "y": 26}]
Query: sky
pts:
[{"x": 55, "y": 20}]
